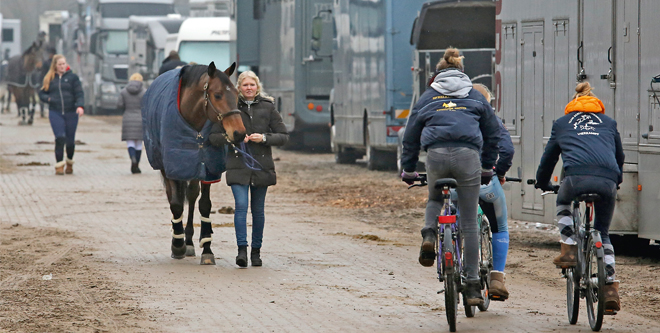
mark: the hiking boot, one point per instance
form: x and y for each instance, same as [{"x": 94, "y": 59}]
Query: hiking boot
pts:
[
  {"x": 135, "y": 169},
  {"x": 612, "y": 301},
  {"x": 427, "y": 251},
  {"x": 69, "y": 166},
  {"x": 568, "y": 256},
  {"x": 241, "y": 258},
  {"x": 497, "y": 290},
  {"x": 59, "y": 168},
  {"x": 472, "y": 294},
  {"x": 255, "y": 256}
]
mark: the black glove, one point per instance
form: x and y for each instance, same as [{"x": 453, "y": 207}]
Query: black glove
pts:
[
  {"x": 545, "y": 187},
  {"x": 486, "y": 176}
]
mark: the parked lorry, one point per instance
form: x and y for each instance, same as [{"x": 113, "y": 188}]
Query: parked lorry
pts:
[
  {"x": 204, "y": 39},
  {"x": 544, "y": 47},
  {"x": 371, "y": 59},
  {"x": 147, "y": 38},
  {"x": 104, "y": 62},
  {"x": 295, "y": 65}
]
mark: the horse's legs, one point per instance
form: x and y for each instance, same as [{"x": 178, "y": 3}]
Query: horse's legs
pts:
[
  {"x": 191, "y": 194},
  {"x": 32, "y": 102},
  {"x": 176, "y": 194},
  {"x": 207, "y": 231}
]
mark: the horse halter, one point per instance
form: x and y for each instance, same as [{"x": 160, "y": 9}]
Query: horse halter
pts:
[{"x": 208, "y": 102}]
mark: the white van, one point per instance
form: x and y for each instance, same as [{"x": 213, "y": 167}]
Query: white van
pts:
[{"x": 205, "y": 39}]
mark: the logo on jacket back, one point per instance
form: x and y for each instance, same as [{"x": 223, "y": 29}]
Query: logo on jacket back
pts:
[
  {"x": 449, "y": 105},
  {"x": 585, "y": 123}
]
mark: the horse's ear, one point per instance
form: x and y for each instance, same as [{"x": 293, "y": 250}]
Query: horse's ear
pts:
[
  {"x": 229, "y": 71},
  {"x": 212, "y": 69}
]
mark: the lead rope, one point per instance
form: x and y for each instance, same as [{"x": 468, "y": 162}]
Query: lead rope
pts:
[{"x": 249, "y": 161}]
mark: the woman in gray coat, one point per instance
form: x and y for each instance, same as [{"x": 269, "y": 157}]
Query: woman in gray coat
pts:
[
  {"x": 265, "y": 129},
  {"x": 130, "y": 99}
]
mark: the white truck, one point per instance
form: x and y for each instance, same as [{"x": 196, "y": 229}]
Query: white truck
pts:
[{"x": 205, "y": 39}]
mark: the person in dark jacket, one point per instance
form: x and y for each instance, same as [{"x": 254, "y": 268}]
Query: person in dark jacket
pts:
[
  {"x": 171, "y": 62},
  {"x": 63, "y": 92},
  {"x": 265, "y": 129},
  {"x": 129, "y": 103},
  {"x": 493, "y": 204},
  {"x": 45, "y": 67},
  {"x": 591, "y": 150},
  {"x": 455, "y": 124}
]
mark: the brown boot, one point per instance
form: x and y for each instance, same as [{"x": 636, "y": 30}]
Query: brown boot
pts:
[
  {"x": 59, "y": 168},
  {"x": 497, "y": 290},
  {"x": 612, "y": 301},
  {"x": 568, "y": 256},
  {"x": 69, "y": 166}
]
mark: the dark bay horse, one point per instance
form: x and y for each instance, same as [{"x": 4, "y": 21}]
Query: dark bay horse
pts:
[
  {"x": 178, "y": 111},
  {"x": 22, "y": 80}
]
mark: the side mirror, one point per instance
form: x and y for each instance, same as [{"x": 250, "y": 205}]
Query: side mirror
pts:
[{"x": 317, "y": 32}]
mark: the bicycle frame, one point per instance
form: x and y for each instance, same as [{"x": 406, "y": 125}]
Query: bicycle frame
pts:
[{"x": 445, "y": 220}]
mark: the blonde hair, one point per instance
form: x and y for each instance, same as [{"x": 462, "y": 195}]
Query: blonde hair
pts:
[
  {"x": 51, "y": 71},
  {"x": 480, "y": 87},
  {"x": 253, "y": 76},
  {"x": 136, "y": 77},
  {"x": 583, "y": 89},
  {"x": 451, "y": 59}
]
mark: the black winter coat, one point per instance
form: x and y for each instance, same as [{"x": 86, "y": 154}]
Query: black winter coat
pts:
[
  {"x": 260, "y": 117},
  {"x": 65, "y": 93}
]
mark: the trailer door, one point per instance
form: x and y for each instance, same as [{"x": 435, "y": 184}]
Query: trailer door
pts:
[{"x": 532, "y": 110}]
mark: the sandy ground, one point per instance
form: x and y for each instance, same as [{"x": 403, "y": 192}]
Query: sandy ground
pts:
[{"x": 89, "y": 252}]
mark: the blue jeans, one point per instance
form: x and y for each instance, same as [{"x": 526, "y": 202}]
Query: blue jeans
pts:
[
  {"x": 257, "y": 200},
  {"x": 493, "y": 204},
  {"x": 64, "y": 127}
]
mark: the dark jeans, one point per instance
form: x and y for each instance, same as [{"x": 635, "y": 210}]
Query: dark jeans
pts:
[
  {"x": 257, "y": 200},
  {"x": 462, "y": 164},
  {"x": 64, "y": 127}
]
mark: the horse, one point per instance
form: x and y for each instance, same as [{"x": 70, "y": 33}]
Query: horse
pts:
[
  {"x": 22, "y": 81},
  {"x": 178, "y": 111}
]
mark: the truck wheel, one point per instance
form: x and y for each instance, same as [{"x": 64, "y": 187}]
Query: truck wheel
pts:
[{"x": 377, "y": 159}]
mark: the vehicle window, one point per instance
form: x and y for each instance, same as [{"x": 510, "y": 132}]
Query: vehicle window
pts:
[
  {"x": 203, "y": 53},
  {"x": 116, "y": 42}
]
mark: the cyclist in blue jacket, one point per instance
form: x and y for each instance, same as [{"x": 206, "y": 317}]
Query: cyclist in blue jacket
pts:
[
  {"x": 456, "y": 125},
  {"x": 592, "y": 153}
]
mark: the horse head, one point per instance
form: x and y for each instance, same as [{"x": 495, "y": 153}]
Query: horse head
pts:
[
  {"x": 32, "y": 57},
  {"x": 221, "y": 102}
]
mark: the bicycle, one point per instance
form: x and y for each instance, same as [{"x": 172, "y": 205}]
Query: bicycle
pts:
[
  {"x": 450, "y": 262},
  {"x": 587, "y": 278}
]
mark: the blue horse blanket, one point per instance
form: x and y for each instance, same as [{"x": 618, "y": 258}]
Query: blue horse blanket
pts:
[{"x": 171, "y": 143}]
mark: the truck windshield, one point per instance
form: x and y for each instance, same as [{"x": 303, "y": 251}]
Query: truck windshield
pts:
[
  {"x": 116, "y": 42},
  {"x": 204, "y": 52},
  {"x": 124, "y": 10}
]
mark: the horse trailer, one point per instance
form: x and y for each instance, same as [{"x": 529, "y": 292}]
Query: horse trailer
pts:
[
  {"x": 371, "y": 58},
  {"x": 543, "y": 49},
  {"x": 147, "y": 38},
  {"x": 295, "y": 64},
  {"x": 11, "y": 38}
]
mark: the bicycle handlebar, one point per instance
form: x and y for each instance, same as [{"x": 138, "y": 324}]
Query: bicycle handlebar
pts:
[
  {"x": 554, "y": 188},
  {"x": 422, "y": 180},
  {"x": 512, "y": 179}
]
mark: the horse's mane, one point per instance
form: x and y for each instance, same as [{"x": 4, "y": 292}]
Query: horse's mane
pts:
[{"x": 191, "y": 74}]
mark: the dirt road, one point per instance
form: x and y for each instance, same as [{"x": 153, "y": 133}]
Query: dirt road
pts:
[{"x": 89, "y": 252}]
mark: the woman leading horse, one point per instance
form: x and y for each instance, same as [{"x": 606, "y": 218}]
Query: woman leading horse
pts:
[{"x": 178, "y": 111}]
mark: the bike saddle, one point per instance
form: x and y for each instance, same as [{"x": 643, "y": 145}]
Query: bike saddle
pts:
[
  {"x": 589, "y": 197},
  {"x": 442, "y": 182}
]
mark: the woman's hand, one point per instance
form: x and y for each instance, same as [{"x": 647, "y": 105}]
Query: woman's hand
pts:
[
  {"x": 80, "y": 111},
  {"x": 256, "y": 137}
]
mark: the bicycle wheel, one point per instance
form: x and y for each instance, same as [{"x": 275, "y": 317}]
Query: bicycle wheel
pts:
[
  {"x": 486, "y": 261},
  {"x": 451, "y": 290},
  {"x": 572, "y": 295},
  {"x": 595, "y": 282}
]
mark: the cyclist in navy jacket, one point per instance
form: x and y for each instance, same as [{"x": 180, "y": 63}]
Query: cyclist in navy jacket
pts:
[
  {"x": 591, "y": 149},
  {"x": 456, "y": 125}
]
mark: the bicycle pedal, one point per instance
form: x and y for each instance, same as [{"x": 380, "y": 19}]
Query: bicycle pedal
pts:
[
  {"x": 440, "y": 291},
  {"x": 610, "y": 312}
]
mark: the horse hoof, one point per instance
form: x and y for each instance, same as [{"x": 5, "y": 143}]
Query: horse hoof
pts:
[
  {"x": 207, "y": 259},
  {"x": 178, "y": 252},
  {"x": 190, "y": 251}
]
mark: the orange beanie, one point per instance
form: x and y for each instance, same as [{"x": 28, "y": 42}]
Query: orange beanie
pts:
[{"x": 585, "y": 104}]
